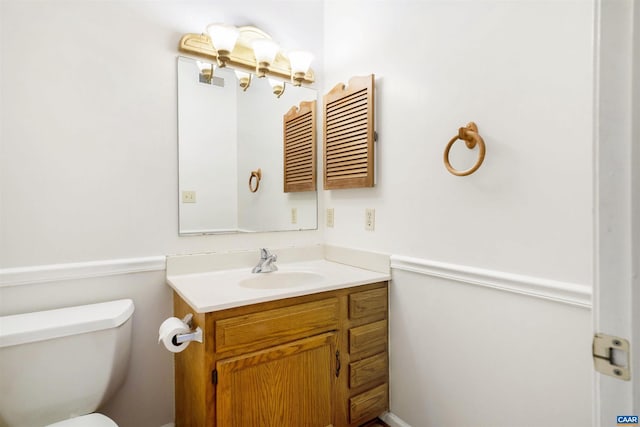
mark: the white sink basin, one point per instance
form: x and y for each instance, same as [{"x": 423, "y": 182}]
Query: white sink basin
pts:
[{"x": 281, "y": 280}]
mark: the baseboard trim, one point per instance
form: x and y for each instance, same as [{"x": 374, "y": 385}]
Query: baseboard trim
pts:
[
  {"x": 393, "y": 420},
  {"x": 80, "y": 270},
  {"x": 562, "y": 292}
]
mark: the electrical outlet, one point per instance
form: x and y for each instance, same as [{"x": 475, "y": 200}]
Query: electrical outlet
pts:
[
  {"x": 294, "y": 215},
  {"x": 188, "y": 197},
  {"x": 369, "y": 219},
  {"x": 330, "y": 217}
]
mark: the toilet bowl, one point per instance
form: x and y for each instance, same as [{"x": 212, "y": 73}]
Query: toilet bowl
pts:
[{"x": 58, "y": 366}]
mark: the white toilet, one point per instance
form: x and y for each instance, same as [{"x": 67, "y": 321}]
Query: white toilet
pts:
[{"x": 58, "y": 366}]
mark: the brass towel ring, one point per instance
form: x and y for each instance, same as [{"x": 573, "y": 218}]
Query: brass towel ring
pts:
[
  {"x": 469, "y": 134},
  {"x": 257, "y": 174}
]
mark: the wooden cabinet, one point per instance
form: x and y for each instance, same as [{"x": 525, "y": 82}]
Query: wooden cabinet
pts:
[
  {"x": 316, "y": 360},
  {"x": 288, "y": 385},
  {"x": 365, "y": 388}
]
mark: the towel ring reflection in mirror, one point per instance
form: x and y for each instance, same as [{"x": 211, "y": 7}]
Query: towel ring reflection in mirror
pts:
[
  {"x": 257, "y": 174},
  {"x": 469, "y": 134}
]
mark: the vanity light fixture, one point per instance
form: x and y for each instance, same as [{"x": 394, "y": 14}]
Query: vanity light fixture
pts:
[
  {"x": 251, "y": 50},
  {"x": 223, "y": 39},
  {"x": 277, "y": 86},
  {"x": 265, "y": 51},
  {"x": 206, "y": 72},
  {"x": 244, "y": 78},
  {"x": 300, "y": 62}
]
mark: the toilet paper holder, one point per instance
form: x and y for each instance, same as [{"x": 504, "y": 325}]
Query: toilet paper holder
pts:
[{"x": 194, "y": 335}]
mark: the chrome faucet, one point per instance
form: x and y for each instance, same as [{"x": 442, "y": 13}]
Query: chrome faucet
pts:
[{"x": 266, "y": 263}]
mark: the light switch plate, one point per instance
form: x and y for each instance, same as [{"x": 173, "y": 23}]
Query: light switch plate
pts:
[
  {"x": 330, "y": 217},
  {"x": 188, "y": 197},
  {"x": 294, "y": 215},
  {"x": 369, "y": 219}
]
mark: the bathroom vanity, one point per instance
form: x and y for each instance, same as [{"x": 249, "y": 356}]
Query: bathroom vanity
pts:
[{"x": 315, "y": 359}]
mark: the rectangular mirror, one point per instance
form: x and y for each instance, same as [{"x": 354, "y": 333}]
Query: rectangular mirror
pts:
[{"x": 225, "y": 134}]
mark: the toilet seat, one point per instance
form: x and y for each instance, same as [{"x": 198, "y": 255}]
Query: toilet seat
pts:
[{"x": 91, "y": 420}]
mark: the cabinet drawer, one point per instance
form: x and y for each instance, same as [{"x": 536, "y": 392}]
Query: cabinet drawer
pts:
[
  {"x": 368, "y": 303},
  {"x": 368, "y": 370},
  {"x": 368, "y": 339},
  {"x": 280, "y": 325},
  {"x": 369, "y": 404}
]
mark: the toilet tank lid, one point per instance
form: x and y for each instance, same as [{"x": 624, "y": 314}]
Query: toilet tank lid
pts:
[{"x": 43, "y": 325}]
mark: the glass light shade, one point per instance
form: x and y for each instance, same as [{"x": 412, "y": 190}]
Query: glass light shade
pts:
[
  {"x": 205, "y": 72},
  {"x": 277, "y": 87},
  {"x": 275, "y": 83},
  {"x": 223, "y": 36},
  {"x": 300, "y": 61},
  {"x": 265, "y": 50},
  {"x": 241, "y": 74}
]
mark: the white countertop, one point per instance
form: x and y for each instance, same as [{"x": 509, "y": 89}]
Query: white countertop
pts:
[{"x": 219, "y": 290}]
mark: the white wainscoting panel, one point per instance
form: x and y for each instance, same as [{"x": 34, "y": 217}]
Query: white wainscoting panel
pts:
[
  {"x": 80, "y": 270},
  {"x": 563, "y": 292}
]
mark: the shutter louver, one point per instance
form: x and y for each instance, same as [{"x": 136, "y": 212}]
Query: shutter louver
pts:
[
  {"x": 299, "y": 130},
  {"x": 349, "y": 135}
]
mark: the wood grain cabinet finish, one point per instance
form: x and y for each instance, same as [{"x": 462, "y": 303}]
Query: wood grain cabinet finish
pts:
[
  {"x": 317, "y": 360},
  {"x": 368, "y": 339},
  {"x": 348, "y": 119},
  {"x": 368, "y": 370},
  {"x": 369, "y": 404},
  {"x": 305, "y": 366},
  {"x": 267, "y": 328},
  {"x": 299, "y": 148},
  {"x": 368, "y": 303}
]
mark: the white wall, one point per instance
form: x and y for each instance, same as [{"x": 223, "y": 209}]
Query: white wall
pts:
[
  {"x": 89, "y": 126},
  {"x": 462, "y": 355},
  {"x": 88, "y": 157},
  {"x": 523, "y": 72}
]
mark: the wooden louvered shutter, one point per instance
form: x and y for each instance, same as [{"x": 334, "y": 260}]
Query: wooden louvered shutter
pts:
[
  {"x": 299, "y": 130},
  {"x": 349, "y": 135}
]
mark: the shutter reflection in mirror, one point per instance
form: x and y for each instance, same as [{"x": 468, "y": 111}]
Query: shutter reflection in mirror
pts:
[{"x": 299, "y": 130}]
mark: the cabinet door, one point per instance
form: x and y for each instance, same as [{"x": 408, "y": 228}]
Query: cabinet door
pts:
[{"x": 288, "y": 385}]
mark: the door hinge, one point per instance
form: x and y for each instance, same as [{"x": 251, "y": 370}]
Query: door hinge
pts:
[
  {"x": 337, "y": 363},
  {"x": 214, "y": 377},
  {"x": 611, "y": 356}
]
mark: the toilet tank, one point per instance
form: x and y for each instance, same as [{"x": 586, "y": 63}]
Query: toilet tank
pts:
[{"x": 62, "y": 363}]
